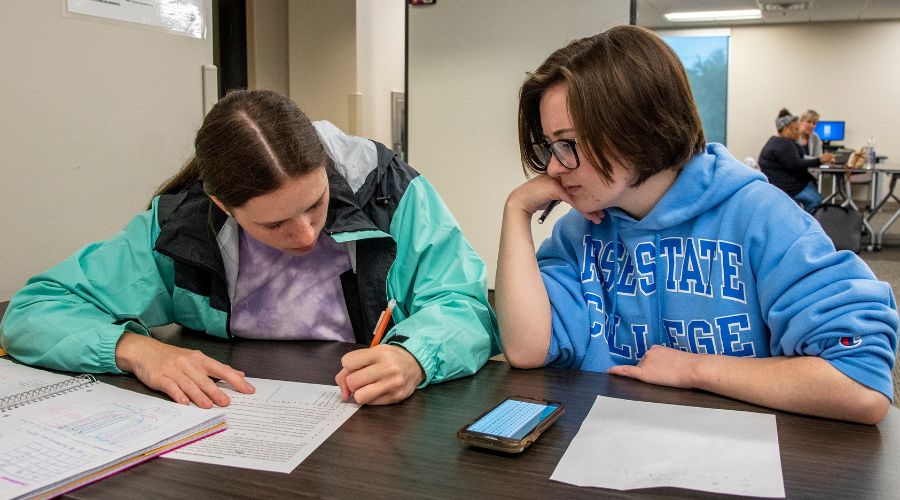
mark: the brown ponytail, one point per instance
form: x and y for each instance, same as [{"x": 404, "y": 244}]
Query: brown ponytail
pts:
[
  {"x": 189, "y": 174},
  {"x": 250, "y": 143}
]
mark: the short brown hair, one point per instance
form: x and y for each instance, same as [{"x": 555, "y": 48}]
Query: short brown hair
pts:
[{"x": 629, "y": 99}]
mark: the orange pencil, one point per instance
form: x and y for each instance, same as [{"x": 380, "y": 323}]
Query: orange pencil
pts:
[{"x": 383, "y": 321}]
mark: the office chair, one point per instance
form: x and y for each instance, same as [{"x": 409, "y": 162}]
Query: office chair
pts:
[{"x": 860, "y": 179}]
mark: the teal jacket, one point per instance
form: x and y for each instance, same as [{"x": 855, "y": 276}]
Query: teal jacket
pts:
[{"x": 166, "y": 267}]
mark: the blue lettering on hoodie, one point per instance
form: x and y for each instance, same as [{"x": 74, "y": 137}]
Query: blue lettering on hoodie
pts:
[{"x": 689, "y": 262}]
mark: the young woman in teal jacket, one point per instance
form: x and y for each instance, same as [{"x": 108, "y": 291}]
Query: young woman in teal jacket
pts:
[{"x": 278, "y": 228}]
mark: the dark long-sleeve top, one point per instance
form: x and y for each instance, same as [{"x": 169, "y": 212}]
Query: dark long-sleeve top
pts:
[{"x": 781, "y": 159}]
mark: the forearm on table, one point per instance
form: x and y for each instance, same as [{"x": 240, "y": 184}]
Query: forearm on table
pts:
[
  {"x": 802, "y": 384},
  {"x": 523, "y": 308}
]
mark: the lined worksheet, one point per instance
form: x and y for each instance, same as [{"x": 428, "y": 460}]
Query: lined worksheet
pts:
[{"x": 274, "y": 429}]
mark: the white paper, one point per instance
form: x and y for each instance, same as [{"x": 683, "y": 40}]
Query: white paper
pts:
[
  {"x": 626, "y": 444},
  {"x": 185, "y": 17},
  {"x": 49, "y": 443},
  {"x": 273, "y": 429},
  {"x": 16, "y": 379}
]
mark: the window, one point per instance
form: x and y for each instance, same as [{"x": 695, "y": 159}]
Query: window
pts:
[{"x": 705, "y": 58}]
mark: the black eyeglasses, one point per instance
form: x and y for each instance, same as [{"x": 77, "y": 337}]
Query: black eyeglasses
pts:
[{"x": 563, "y": 150}]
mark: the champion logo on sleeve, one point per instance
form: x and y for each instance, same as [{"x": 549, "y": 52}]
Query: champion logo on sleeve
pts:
[{"x": 850, "y": 341}]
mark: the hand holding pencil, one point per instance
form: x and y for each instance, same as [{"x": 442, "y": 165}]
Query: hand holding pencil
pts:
[{"x": 381, "y": 374}]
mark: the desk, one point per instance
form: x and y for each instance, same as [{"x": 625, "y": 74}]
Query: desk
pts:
[
  {"x": 844, "y": 189},
  {"x": 892, "y": 172},
  {"x": 409, "y": 450}
]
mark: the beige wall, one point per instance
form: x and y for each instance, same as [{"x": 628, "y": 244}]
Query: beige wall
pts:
[
  {"x": 320, "y": 52},
  {"x": 467, "y": 59},
  {"x": 322, "y": 57},
  {"x": 380, "y": 61},
  {"x": 845, "y": 71},
  {"x": 95, "y": 115},
  {"x": 267, "y": 45}
]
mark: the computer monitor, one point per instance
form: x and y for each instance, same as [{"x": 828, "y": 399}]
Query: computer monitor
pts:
[{"x": 830, "y": 131}]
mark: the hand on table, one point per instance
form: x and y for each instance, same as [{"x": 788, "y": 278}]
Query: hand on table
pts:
[
  {"x": 379, "y": 375},
  {"x": 662, "y": 366},
  {"x": 183, "y": 374}
]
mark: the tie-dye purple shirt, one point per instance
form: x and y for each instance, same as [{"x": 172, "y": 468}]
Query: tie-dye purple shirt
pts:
[{"x": 280, "y": 296}]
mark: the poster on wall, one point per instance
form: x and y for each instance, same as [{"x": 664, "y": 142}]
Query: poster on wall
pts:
[{"x": 184, "y": 17}]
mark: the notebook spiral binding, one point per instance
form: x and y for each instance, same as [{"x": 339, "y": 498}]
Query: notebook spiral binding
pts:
[{"x": 48, "y": 391}]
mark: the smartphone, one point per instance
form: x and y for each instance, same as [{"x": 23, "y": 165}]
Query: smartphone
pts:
[{"x": 512, "y": 425}]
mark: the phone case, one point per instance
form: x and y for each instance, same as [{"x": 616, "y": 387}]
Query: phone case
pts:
[{"x": 504, "y": 444}]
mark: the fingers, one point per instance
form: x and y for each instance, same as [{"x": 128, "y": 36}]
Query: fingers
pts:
[
  {"x": 361, "y": 383},
  {"x": 171, "y": 389},
  {"x": 595, "y": 217},
  {"x": 361, "y": 358},
  {"x": 234, "y": 377},
  {"x": 198, "y": 392},
  {"x": 626, "y": 371},
  {"x": 184, "y": 375},
  {"x": 379, "y": 375},
  {"x": 379, "y": 387},
  {"x": 358, "y": 379},
  {"x": 194, "y": 379},
  {"x": 381, "y": 393},
  {"x": 341, "y": 380},
  {"x": 353, "y": 362}
]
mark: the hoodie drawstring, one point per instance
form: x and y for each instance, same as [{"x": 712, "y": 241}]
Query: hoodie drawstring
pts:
[
  {"x": 660, "y": 294},
  {"x": 615, "y": 288}
]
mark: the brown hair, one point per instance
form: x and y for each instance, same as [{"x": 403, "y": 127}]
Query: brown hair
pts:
[
  {"x": 629, "y": 99},
  {"x": 250, "y": 143}
]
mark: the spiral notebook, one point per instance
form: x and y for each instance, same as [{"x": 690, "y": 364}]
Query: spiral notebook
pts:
[{"x": 58, "y": 433}]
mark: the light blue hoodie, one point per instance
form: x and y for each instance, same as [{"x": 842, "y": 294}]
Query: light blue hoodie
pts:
[{"x": 747, "y": 273}]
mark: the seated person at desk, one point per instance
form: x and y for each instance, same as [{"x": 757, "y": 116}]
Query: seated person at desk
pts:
[
  {"x": 809, "y": 140},
  {"x": 278, "y": 228},
  {"x": 678, "y": 266},
  {"x": 781, "y": 159}
]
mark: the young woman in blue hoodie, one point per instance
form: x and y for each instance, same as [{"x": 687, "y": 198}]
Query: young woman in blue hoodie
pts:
[{"x": 679, "y": 266}]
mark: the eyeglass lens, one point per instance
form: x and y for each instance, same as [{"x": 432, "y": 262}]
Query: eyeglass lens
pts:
[
  {"x": 565, "y": 153},
  {"x": 563, "y": 150}
]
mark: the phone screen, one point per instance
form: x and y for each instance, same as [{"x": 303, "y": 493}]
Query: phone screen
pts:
[{"x": 513, "y": 418}]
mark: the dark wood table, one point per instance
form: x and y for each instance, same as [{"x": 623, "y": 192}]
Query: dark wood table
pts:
[{"x": 409, "y": 450}]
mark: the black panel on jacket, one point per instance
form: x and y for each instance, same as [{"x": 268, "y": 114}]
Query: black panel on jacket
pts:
[
  {"x": 188, "y": 223},
  {"x": 374, "y": 258}
]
